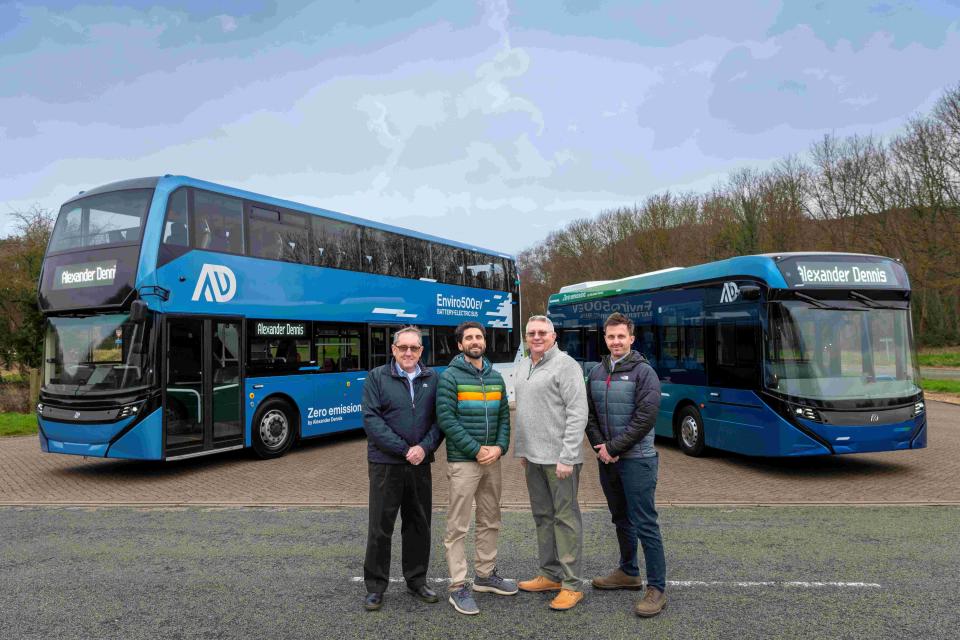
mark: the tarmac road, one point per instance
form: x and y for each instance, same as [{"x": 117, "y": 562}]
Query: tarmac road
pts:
[{"x": 746, "y": 572}]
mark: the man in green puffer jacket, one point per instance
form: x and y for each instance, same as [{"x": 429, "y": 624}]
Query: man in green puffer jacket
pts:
[{"x": 474, "y": 414}]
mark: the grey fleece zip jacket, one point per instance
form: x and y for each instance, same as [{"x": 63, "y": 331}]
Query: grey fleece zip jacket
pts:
[{"x": 551, "y": 409}]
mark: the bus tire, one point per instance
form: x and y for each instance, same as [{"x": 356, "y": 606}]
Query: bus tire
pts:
[
  {"x": 690, "y": 434},
  {"x": 273, "y": 429}
]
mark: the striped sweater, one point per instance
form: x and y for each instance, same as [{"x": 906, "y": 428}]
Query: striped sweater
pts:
[{"x": 472, "y": 409}]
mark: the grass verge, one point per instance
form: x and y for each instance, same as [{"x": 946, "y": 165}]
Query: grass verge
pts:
[
  {"x": 940, "y": 357},
  {"x": 18, "y": 424},
  {"x": 941, "y": 386}
]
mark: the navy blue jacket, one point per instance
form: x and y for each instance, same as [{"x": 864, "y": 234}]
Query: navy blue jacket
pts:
[
  {"x": 623, "y": 402},
  {"x": 392, "y": 421}
]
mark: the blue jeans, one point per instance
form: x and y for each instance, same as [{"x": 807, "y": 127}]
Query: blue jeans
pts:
[{"x": 629, "y": 486}]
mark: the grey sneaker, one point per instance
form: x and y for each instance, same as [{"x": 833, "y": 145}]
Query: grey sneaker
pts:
[
  {"x": 495, "y": 584},
  {"x": 462, "y": 600}
]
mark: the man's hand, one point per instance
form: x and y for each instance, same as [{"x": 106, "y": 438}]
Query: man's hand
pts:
[
  {"x": 489, "y": 455},
  {"x": 605, "y": 457},
  {"x": 564, "y": 471},
  {"x": 416, "y": 454},
  {"x": 523, "y": 462}
]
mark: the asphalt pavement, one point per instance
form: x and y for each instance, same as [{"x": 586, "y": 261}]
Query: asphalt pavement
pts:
[{"x": 746, "y": 572}]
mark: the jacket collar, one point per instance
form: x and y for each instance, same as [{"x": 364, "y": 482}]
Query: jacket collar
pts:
[
  {"x": 548, "y": 355},
  {"x": 629, "y": 361},
  {"x": 460, "y": 362},
  {"x": 424, "y": 369}
]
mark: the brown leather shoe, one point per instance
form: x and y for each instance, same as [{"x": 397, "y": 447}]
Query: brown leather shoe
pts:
[
  {"x": 539, "y": 584},
  {"x": 654, "y": 601},
  {"x": 566, "y": 599},
  {"x": 618, "y": 580}
]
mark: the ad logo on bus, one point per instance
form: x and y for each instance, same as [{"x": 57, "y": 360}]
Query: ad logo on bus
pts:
[
  {"x": 730, "y": 292},
  {"x": 216, "y": 283}
]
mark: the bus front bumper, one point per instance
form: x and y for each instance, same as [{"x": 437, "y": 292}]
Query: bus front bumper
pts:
[{"x": 142, "y": 441}]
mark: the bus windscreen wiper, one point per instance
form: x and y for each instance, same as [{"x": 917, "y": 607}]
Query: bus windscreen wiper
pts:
[
  {"x": 873, "y": 304},
  {"x": 813, "y": 301}
]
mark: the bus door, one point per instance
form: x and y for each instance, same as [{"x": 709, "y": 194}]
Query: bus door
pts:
[
  {"x": 734, "y": 361},
  {"x": 203, "y": 406}
]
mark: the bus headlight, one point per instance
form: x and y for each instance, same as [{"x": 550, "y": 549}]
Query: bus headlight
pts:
[
  {"x": 129, "y": 410},
  {"x": 918, "y": 409},
  {"x": 39, "y": 408},
  {"x": 807, "y": 413}
]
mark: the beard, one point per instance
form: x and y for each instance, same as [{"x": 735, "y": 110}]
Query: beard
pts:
[{"x": 476, "y": 352}]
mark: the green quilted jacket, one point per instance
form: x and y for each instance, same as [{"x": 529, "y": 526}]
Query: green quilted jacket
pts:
[{"x": 472, "y": 409}]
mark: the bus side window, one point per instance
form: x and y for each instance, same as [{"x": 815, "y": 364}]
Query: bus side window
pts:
[
  {"x": 336, "y": 244},
  {"x": 416, "y": 258},
  {"x": 444, "y": 345},
  {"x": 218, "y": 222},
  {"x": 176, "y": 239},
  {"x": 338, "y": 347},
  {"x": 447, "y": 264},
  {"x": 382, "y": 252},
  {"x": 279, "y": 235}
]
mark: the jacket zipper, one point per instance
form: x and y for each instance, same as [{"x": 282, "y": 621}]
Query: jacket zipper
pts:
[
  {"x": 606, "y": 400},
  {"x": 486, "y": 416}
]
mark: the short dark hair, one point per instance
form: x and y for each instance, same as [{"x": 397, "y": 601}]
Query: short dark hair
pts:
[
  {"x": 469, "y": 324},
  {"x": 616, "y": 318}
]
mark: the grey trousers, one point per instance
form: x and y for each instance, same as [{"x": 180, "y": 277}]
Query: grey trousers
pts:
[{"x": 556, "y": 514}]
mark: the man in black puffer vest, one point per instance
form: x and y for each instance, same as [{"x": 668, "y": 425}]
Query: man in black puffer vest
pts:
[{"x": 623, "y": 394}]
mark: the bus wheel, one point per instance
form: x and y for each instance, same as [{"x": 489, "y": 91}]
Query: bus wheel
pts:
[
  {"x": 273, "y": 429},
  {"x": 690, "y": 432}
]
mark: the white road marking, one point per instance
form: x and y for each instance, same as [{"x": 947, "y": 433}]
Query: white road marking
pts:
[{"x": 728, "y": 583}]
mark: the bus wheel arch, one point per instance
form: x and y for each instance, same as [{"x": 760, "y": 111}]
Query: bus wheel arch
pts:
[
  {"x": 275, "y": 426},
  {"x": 688, "y": 429}
]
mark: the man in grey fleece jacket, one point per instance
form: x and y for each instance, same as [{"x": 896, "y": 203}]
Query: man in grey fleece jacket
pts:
[{"x": 551, "y": 418}]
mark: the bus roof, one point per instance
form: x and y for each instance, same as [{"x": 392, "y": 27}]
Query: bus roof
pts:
[
  {"x": 762, "y": 267},
  {"x": 171, "y": 182}
]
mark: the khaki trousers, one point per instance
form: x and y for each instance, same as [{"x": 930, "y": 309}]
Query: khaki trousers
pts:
[{"x": 471, "y": 481}]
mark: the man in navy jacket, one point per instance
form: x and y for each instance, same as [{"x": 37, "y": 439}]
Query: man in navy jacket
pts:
[
  {"x": 399, "y": 416},
  {"x": 624, "y": 398}
]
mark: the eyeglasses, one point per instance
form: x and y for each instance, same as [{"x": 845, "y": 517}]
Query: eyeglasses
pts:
[
  {"x": 534, "y": 334},
  {"x": 403, "y": 348}
]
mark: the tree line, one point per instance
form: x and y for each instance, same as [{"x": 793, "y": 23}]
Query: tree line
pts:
[
  {"x": 898, "y": 197},
  {"x": 21, "y": 256}
]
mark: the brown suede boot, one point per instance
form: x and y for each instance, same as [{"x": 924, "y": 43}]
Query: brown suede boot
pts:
[
  {"x": 654, "y": 601},
  {"x": 618, "y": 580}
]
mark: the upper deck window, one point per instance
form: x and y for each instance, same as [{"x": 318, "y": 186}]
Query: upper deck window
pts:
[
  {"x": 106, "y": 219},
  {"x": 336, "y": 244},
  {"x": 217, "y": 222},
  {"x": 279, "y": 235}
]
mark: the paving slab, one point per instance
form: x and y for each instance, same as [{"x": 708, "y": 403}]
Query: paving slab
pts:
[{"x": 333, "y": 472}]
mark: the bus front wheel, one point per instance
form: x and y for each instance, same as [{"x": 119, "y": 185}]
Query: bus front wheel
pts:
[
  {"x": 690, "y": 435},
  {"x": 273, "y": 429}
]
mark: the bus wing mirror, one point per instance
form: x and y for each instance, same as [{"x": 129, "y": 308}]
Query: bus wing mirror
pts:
[
  {"x": 138, "y": 311},
  {"x": 750, "y": 292}
]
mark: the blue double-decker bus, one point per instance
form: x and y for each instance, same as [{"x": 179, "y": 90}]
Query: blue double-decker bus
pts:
[
  {"x": 794, "y": 354},
  {"x": 185, "y": 318}
]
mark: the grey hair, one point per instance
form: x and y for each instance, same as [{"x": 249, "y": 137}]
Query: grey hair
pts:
[
  {"x": 543, "y": 319},
  {"x": 411, "y": 329}
]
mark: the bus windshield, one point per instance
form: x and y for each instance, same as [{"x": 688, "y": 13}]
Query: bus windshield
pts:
[
  {"x": 97, "y": 355},
  {"x": 106, "y": 219},
  {"x": 826, "y": 353}
]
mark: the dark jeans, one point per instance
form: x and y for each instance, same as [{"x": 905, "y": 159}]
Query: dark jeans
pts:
[
  {"x": 407, "y": 489},
  {"x": 629, "y": 486}
]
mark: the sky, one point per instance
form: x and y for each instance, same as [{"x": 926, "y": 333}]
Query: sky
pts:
[{"x": 490, "y": 122}]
